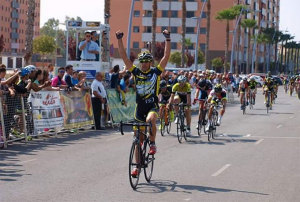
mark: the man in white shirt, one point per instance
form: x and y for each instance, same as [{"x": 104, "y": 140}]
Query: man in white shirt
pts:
[{"x": 98, "y": 99}]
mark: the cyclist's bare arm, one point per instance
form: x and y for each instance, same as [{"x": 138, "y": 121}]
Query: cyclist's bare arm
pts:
[
  {"x": 189, "y": 99},
  {"x": 122, "y": 52},
  {"x": 165, "y": 59},
  {"x": 197, "y": 93},
  {"x": 171, "y": 99}
]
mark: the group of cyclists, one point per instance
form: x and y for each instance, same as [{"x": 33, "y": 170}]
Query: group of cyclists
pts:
[
  {"x": 292, "y": 84},
  {"x": 155, "y": 91}
]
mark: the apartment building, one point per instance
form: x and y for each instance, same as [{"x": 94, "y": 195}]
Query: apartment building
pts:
[{"x": 13, "y": 17}]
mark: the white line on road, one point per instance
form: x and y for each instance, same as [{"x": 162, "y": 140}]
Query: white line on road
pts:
[
  {"x": 248, "y": 135},
  {"x": 221, "y": 170},
  {"x": 258, "y": 141},
  {"x": 277, "y": 137},
  {"x": 291, "y": 117},
  {"x": 187, "y": 199},
  {"x": 279, "y": 126}
]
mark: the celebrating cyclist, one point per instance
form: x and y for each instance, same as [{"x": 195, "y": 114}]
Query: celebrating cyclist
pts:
[
  {"x": 243, "y": 90},
  {"x": 218, "y": 94},
  {"x": 181, "y": 93}
]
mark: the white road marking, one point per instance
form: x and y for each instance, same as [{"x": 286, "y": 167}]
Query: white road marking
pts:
[
  {"x": 291, "y": 117},
  {"x": 114, "y": 138},
  {"x": 221, "y": 170},
  {"x": 27, "y": 161},
  {"x": 258, "y": 141},
  {"x": 248, "y": 135},
  {"x": 187, "y": 199},
  {"x": 279, "y": 126},
  {"x": 277, "y": 137}
]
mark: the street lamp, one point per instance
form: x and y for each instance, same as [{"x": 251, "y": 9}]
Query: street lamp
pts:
[
  {"x": 198, "y": 33},
  {"x": 129, "y": 28}
]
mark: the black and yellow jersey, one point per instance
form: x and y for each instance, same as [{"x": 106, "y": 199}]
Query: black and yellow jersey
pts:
[
  {"x": 186, "y": 89},
  {"x": 147, "y": 84}
]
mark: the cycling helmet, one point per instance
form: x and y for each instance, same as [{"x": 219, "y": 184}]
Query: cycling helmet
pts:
[
  {"x": 24, "y": 72},
  {"x": 268, "y": 79},
  {"x": 218, "y": 88},
  {"x": 163, "y": 84},
  {"x": 30, "y": 68},
  {"x": 145, "y": 57},
  {"x": 181, "y": 79}
]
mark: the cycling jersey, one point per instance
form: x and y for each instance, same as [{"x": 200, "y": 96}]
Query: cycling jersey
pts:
[
  {"x": 268, "y": 85},
  {"x": 252, "y": 84},
  {"x": 220, "y": 96},
  {"x": 165, "y": 95},
  {"x": 205, "y": 88},
  {"x": 147, "y": 88},
  {"x": 243, "y": 86},
  {"x": 182, "y": 91}
]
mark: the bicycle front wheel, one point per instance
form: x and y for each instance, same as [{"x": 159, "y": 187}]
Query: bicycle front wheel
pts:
[
  {"x": 148, "y": 161},
  {"x": 199, "y": 127},
  {"x": 162, "y": 127},
  {"x": 135, "y": 163},
  {"x": 169, "y": 126},
  {"x": 179, "y": 132}
]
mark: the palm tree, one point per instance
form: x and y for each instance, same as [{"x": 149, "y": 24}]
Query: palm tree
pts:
[
  {"x": 207, "y": 63},
  {"x": 154, "y": 17},
  {"x": 106, "y": 11},
  {"x": 261, "y": 39},
  {"x": 183, "y": 32},
  {"x": 227, "y": 15},
  {"x": 277, "y": 39},
  {"x": 29, "y": 31},
  {"x": 250, "y": 24},
  {"x": 282, "y": 39}
]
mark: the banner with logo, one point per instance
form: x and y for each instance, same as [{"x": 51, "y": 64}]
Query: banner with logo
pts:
[
  {"x": 77, "y": 108},
  {"x": 46, "y": 110},
  {"x": 118, "y": 111}
]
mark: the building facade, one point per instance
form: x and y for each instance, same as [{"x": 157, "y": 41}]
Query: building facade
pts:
[
  {"x": 13, "y": 17},
  {"x": 169, "y": 15}
]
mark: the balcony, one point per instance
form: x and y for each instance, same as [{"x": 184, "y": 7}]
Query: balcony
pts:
[
  {"x": 175, "y": 6},
  {"x": 14, "y": 35},
  {"x": 14, "y": 25},
  {"x": 14, "y": 14},
  {"x": 160, "y": 38}
]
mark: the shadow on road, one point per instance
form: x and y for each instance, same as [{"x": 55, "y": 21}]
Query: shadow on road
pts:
[{"x": 160, "y": 186}]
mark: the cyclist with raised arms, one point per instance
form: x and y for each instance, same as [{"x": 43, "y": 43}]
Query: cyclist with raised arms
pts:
[
  {"x": 218, "y": 94},
  {"x": 181, "y": 92},
  {"x": 147, "y": 85}
]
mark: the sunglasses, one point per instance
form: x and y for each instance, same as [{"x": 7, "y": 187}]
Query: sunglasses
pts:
[
  {"x": 88, "y": 36},
  {"x": 61, "y": 71}
]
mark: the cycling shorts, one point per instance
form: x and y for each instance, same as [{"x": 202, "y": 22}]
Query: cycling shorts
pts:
[
  {"x": 202, "y": 95},
  {"x": 182, "y": 98},
  {"x": 142, "y": 111}
]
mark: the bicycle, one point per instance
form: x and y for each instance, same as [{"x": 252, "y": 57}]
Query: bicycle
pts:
[
  {"x": 244, "y": 103},
  {"x": 165, "y": 119},
  {"x": 213, "y": 122},
  {"x": 269, "y": 103},
  {"x": 139, "y": 153},
  {"x": 252, "y": 99},
  {"x": 181, "y": 127},
  {"x": 202, "y": 121}
]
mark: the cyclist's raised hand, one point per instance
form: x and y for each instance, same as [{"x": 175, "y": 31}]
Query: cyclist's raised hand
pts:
[
  {"x": 167, "y": 34},
  {"x": 119, "y": 34}
]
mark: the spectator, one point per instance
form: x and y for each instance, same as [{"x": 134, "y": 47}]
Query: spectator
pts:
[
  {"x": 82, "y": 84},
  {"x": 58, "y": 80},
  {"x": 46, "y": 79},
  {"x": 89, "y": 48},
  {"x": 95, "y": 39},
  {"x": 98, "y": 99},
  {"x": 67, "y": 77},
  {"x": 115, "y": 77},
  {"x": 123, "y": 88},
  {"x": 75, "y": 80},
  {"x": 24, "y": 83},
  {"x": 36, "y": 85},
  {"x": 51, "y": 71}
]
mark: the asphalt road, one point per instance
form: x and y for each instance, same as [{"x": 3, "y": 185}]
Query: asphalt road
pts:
[{"x": 256, "y": 157}]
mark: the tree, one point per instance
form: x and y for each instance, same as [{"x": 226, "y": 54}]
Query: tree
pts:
[
  {"x": 154, "y": 17},
  {"x": 249, "y": 24},
  {"x": 159, "y": 51},
  {"x": 106, "y": 11},
  {"x": 44, "y": 45},
  {"x": 201, "y": 58},
  {"x": 50, "y": 27},
  {"x": 183, "y": 32},
  {"x": 207, "y": 64},
  {"x": 175, "y": 58},
  {"x": 217, "y": 63},
  {"x": 261, "y": 39},
  {"x": 227, "y": 15},
  {"x": 29, "y": 32},
  {"x": 2, "y": 44}
]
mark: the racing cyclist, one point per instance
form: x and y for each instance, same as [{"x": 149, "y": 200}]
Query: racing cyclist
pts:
[
  {"x": 253, "y": 89},
  {"x": 147, "y": 86},
  {"x": 165, "y": 92},
  {"x": 218, "y": 94},
  {"x": 268, "y": 87},
  {"x": 243, "y": 89},
  {"x": 181, "y": 93}
]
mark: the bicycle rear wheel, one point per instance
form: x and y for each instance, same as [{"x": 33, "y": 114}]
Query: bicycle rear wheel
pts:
[
  {"x": 179, "y": 132},
  {"x": 135, "y": 162},
  {"x": 169, "y": 126},
  {"x": 162, "y": 127},
  {"x": 148, "y": 161},
  {"x": 199, "y": 127}
]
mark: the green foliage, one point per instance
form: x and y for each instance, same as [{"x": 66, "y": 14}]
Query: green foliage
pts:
[
  {"x": 44, "y": 45},
  {"x": 249, "y": 23},
  {"x": 175, "y": 58},
  {"x": 227, "y": 14},
  {"x": 217, "y": 62},
  {"x": 50, "y": 27},
  {"x": 201, "y": 58}
]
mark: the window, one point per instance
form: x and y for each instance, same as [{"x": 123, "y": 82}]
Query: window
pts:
[
  {"x": 148, "y": 13},
  {"x": 136, "y": 14},
  {"x": 148, "y": 29},
  {"x": 204, "y": 14},
  {"x": 202, "y": 46},
  {"x": 135, "y": 44},
  {"x": 189, "y": 30},
  {"x": 203, "y": 30},
  {"x": 164, "y": 13},
  {"x": 174, "y": 14},
  {"x": 163, "y": 28},
  {"x": 190, "y": 14},
  {"x": 174, "y": 30},
  {"x": 173, "y": 45},
  {"x": 136, "y": 29}
]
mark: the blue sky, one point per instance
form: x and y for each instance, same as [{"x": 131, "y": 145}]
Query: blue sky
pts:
[{"x": 94, "y": 9}]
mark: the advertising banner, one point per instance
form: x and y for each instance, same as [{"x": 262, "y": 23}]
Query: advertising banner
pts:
[
  {"x": 77, "y": 108},
  {"x": 118, "y": 111},
  {"x": 46, "y": 109}
]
